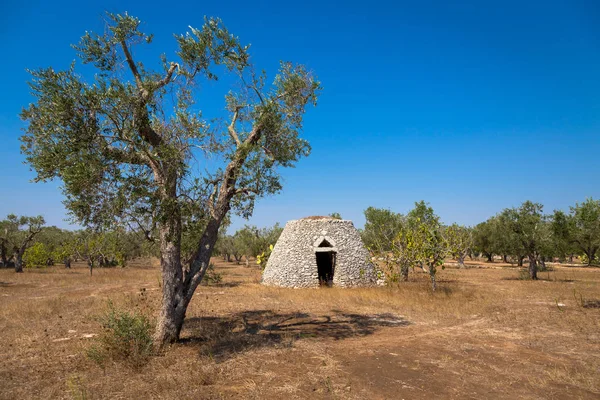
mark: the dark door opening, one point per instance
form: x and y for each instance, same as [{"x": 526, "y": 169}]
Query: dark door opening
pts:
[{"x": 325, "y": 267}]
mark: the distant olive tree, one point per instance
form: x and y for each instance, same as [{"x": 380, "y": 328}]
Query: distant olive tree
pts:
[
  {"x": 579, "y": 230},
  {"x": 127, "y": 142},
  {"x": 460, "y": 242},
  {"x": 430, "y": 245},
  {"x": 335, "y": 215},
  {"x": 381, "y": 228},
  {"x": 19, "y": 234},
  {"x": 527, "y": 223}
]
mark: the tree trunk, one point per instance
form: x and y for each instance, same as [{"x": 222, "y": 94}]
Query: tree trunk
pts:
[
  {"x": 532, "y": 267},
  {"x": 174, "y": 301},
  {"x": 432, "y": 272},
  {"x": 404, "y": 272},
  {"x": 591, "y": 254},
  {"x": 19, "y": 262},
  {"x": 489, "y": 257},
  {"x": 520, "y": 263},
  {"x": 3, "y": 256},
  {"x": 177, "y": 288},
  {"x": 543, "y": 262},
  {"x": 461, "y": 261},
  {"x": 67, "y": 263},
  {"x": 505, "y": 258}
]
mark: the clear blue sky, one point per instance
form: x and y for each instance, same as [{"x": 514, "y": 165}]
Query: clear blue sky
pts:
[{"x": 472, "y": 107}]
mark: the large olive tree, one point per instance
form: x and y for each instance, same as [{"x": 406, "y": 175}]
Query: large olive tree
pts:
[{"x": 131, "y": 146}]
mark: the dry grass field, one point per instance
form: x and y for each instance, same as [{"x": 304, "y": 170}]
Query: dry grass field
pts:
[{"x": 484, "y": 334}]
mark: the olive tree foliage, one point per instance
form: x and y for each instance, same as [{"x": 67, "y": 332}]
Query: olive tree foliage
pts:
[
  {"x": 460, "y": 242},
  {"x": 53, "y": 244},
  {"x": 37, "y": 255},
  {"x": 128, "y": 144},
  {"x": 16, "y": 236},
  {"x": 249, "y": 241},
  {"x": 528, "y": 224},
  {"x": 483, "y": 239},
  {"x": 579, "y": 230},
  {"x": 381, "y": 228},
  {"x": 400, "y": 242},
  {"x": 496, "y": 237},
  {"x": 429, "y": 242}
]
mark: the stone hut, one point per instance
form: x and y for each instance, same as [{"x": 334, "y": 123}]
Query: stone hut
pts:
[{"x": 319, "y": 251}]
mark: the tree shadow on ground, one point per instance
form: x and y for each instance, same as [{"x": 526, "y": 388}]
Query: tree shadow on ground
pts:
[
  {"x": 222, "y": 338},
  {"x": 540, "y": 279}
]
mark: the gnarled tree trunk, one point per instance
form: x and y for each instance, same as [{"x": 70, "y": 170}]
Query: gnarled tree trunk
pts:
[
  {"x": 19, "y": 261},
  {"x": 532, "y": 267}
]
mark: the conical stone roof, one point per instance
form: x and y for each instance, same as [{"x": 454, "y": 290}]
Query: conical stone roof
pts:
[{"x": 293, "y": 261}]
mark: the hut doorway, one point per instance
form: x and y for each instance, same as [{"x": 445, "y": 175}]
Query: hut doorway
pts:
[{"x": 325, "y": 263}]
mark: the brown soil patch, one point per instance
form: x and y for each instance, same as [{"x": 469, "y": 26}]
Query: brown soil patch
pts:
[{"x": 484, "y": 334}]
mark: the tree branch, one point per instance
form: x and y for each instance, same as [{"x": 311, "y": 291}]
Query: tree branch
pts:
[
  {"x": 167, "y": 78},
  {"x": 133, "y": 67},
  {"x": 245, "y": 190},
  {"x": 231, "y": 127},
  {"x": 211, "y": 198}
]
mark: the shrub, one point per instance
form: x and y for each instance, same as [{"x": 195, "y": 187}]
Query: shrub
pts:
[
  {"x": 37, "y": 255},
  {"x": 212, "y": 276},
  {"x": 524, "y": 274},
  {"x": 127, "y": 337}
]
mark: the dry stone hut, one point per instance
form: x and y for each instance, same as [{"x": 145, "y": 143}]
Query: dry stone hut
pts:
[{"x": 317, "y": 251}]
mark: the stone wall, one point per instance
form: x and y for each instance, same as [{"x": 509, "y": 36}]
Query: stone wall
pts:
[{"x": 293, "y": 260}]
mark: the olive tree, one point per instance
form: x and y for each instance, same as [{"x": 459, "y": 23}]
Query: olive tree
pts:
[
  {"x": 381, "y": 228},
  {"x": 429, "y": 241},
  {"x": 128, "y": 143},
  {"x": 528, "y": 224},
  {"x": 460, "y": 242},
  {"x": 483, "y": 239},
  {"x": 579, "y": 230},
  {"x": 18, "y": 236}
]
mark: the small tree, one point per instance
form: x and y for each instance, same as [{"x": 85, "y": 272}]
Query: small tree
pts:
[
  {"x": 460, "y": 242},
  {"x": 483, "y": 240},
  {"x": 335, "y": 215},
  {"x": 579, "y": 231},
  {"x": 382, "y": 226},
  {"x": 37, "y": 255},
  {"x": 431, "y": 248},
  {"x": 527, "y": 223},
  {"x": 419, "y": 241}
]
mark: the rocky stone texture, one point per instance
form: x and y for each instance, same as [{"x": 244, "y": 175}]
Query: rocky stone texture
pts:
[{"x": 293, "y": 262}]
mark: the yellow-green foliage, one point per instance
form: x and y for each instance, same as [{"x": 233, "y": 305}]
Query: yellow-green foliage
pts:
[
  {"x": 37, "y": 255},
  {"x": 262, "y": 258}
]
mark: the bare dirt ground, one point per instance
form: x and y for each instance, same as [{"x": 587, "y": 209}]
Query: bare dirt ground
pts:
[{"x": 484, "y": 334}]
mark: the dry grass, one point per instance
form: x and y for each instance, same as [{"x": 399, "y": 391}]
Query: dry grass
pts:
[{"x": 483, "y": 334}]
